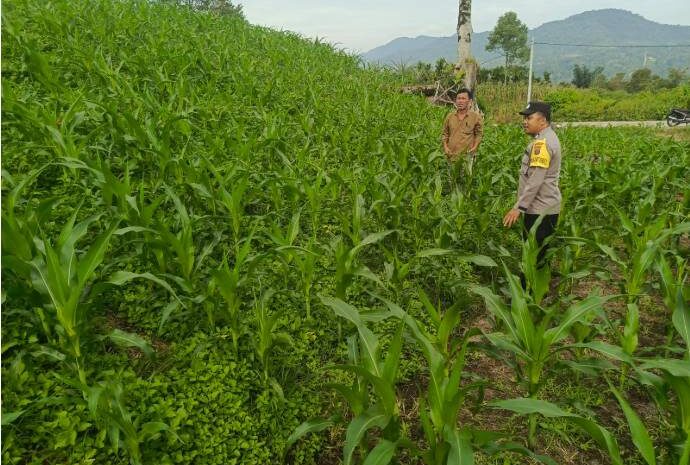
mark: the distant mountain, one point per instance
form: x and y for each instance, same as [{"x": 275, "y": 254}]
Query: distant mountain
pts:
[{"x": 598, "y": 27}]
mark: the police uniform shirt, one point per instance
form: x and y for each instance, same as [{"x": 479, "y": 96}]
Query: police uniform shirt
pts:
[{"x": 538, "y": 191}]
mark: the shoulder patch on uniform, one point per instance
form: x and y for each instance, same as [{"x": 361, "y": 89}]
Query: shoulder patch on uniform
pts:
[{"x": 540, "y": 156}]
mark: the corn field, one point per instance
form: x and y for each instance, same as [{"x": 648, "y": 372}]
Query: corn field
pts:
[{"x": 223, "y": 244}]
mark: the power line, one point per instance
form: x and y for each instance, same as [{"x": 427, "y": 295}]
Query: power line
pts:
[
  {"x": 491, "y": 59},
  {"x": 614, "y": 46}
]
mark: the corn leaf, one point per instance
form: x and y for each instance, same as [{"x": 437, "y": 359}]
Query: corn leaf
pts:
[
  {"x": 358, "y": 427},
  {"x": 381, "y": 454},
  {"x": 639, "y": 433}
]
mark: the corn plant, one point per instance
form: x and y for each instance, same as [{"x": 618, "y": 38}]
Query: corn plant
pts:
[
  {"x": 671, "y": 392},
  {"x": 676, "y": 293},
  {"x": 670, "y": 389},
  {"x": 304, "y": 259},
  {"x": 378, "y": 374},
  {"x": 346, "y": 264},
  {"x": 267, "y": 337},
  {"x": 230, "y": 283},
  {"x": 448, "y": 443},
  {"x": 643, "y": 245},
  {"x": 532, "y": 407},
  {"x": 62, "y": 275},
  {"x": 534, "y": 335},
  {"x": 106, "y": 403}
]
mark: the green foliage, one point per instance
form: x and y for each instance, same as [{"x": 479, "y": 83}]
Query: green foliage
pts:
[
  {"x": 510, "y": 36},
  {"x": 159, "y": 180},
  {"x": 584, "y": 77}
]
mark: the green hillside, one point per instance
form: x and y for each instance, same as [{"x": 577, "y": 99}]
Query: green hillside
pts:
[{"x": 213, "y": 232}]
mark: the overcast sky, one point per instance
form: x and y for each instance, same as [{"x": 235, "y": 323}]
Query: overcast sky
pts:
[{"x": 360, "y": 25}]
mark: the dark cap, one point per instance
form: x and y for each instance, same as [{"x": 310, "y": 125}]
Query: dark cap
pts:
[{"x": 534, "y": 107}]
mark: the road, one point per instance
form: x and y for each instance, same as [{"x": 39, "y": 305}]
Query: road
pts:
[{"x": 606, "y": 124}]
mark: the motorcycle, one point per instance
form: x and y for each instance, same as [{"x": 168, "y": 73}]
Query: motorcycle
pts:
[{"x": 677, "y": 116}]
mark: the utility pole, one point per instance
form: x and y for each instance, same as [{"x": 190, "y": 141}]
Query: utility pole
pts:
[{"x": 531, "y": 61}]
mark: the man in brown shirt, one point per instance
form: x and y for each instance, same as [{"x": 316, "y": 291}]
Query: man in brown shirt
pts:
[{"x": 462, "y": 134}]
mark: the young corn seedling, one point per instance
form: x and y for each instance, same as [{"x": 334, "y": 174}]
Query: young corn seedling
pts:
[
  {"x": 61, "y": 275},
  {"x": 267, "y": 337},
  {"x": 346, "y": 263},
  {"x": 643, "y": 244},
  {"x": 448, "y": 443},
  {"x": 533, "y": 407},
  {"x": 671, "y": 392},
  {"x": 105, "y": 400},
  {"x": 676, "y": 293},
  {"x": 230, "y": 282},
  {"x": 534, "y": 335},
  {"x": 304, "y": 259},
  {"x": 373, "y": 374}
]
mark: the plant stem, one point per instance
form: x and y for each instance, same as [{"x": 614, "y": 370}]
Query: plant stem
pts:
[{"x": 685, "y": 456}]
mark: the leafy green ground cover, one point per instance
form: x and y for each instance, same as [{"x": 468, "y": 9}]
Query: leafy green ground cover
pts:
[{"x": 213, "y": 233}]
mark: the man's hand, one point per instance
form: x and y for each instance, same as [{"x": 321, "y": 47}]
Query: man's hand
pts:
[{"x": 511, "y": 217}]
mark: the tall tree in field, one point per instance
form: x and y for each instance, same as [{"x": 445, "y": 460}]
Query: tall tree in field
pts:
[
  {"x": 510, "y": 36},
  {"x": 466, "y": 62}
]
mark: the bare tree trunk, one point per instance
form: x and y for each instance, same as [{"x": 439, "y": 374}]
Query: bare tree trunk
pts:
[{"x": 466, "y": 61}]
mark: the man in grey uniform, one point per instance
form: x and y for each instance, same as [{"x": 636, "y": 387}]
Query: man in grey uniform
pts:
[{"x": 538, "y": 192}]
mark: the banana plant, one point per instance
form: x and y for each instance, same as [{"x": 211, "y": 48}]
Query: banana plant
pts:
[{"x": 534, "y": 335}]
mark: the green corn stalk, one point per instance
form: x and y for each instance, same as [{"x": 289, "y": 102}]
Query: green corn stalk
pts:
[
  {"x": 346, "y": 263},
  {"x": 372, "y": 371},
  {"x": 62, "y": 276},
  {"x": 180, "y": 249},
  {"x": 230, "y": 283},
  {"x": 284, "y": 241},
  {"x": 531, "y": 407},
  {"x": 448, "y": 443},
  {"x": 314, "y": 193},
  {"x": 19, "y": 230},
  {"x": 676, "y": 293},
  {"x": 530, "y": 335},
  {"x": 537, "y": 279},
  {"x": 305, "y": 260},
  {"x": 267, "y": 337},
  {"x": 638, "y": 431},
  {"x": 671, "y": 391},
  {"x": 643, "y": 245},
  {"x": 234, "y": 203},
  {"x": 106, "y": 403}
]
